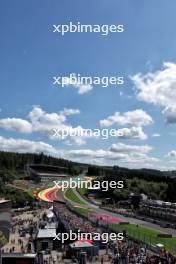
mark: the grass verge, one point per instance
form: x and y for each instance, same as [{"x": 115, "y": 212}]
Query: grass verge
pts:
[
  {"x": 145, "y": 235},
  {"x": 71, "y": 195}
]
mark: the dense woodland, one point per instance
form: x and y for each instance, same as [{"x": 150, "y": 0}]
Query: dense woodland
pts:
[
  {"x": 16, "y": 162},
  {"x": 158, "y": 185}
]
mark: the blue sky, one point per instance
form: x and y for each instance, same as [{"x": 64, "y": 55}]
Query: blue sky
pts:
[{"x": 144, "y": 54}]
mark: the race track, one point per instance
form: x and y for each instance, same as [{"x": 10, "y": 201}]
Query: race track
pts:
[{"x": 48, "y": 195}]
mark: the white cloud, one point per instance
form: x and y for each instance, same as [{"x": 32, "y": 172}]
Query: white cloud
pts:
[
  {"x": 26, "y": 146},
  {"x": 82, "y": 88},
  {"x": 68, "y": 111},
  {"x": 79, "y": 141},
  {"x": 137, "y": 118},
  {"x": 132, "y": 133},
  {"x": 95, "y": 154},
  {"x": 138, "y": 159},
  {"x": 48, "y": 123},
  {"x": 170, "y": 114},
  {"x": 129, "y": 154},
  {"x": 45, "y": 123},
  {"x": 172, "y": 154},
  {"x": 156, "y": 135},
  {"x": 159, "y": 88},
  {"x": 16, "y": 124},
  {"x": 124, "y": 148}
]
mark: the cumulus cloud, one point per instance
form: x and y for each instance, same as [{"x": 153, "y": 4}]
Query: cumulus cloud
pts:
[
  {"x": 156, "y": 135},
  {"x": 68, "y": 111},
  {"x": 137, "y": 118},
  {"x": 40, "y": 121},
  {"x": 47, "y": 123},
  {"x": 16, "y": 124},
  {"x": 56, "y": 126},
  {"x": 124, "y": 148},
  {"x": 26, "y": 146},
  {"x": 170, "y": 114},
  {"x": 132, "y": 133},
  {"x": 129, "y": 154},
  {"x": 44, "y": 122},
  {"x": 81, "y": 88},
  {"x": 159, "y": 88},
  {"x": 95, "y": 154},
  {"x": 142, "y": 159},
  {"x": 117, "y": 152},
  {"x": 79, "y": 141},
  {"x": 172, "y": 154}
]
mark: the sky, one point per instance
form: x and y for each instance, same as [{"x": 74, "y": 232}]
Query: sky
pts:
[{"x": 141, "y": 110}]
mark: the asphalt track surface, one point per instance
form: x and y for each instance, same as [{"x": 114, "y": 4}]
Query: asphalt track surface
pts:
[{"x": 48, "y": 195}]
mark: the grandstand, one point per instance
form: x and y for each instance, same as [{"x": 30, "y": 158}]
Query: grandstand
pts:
[
  {"x": 159, "y": 209},
  {"x": 5, "y": 218},
  {"x": 44, "y": 172}
]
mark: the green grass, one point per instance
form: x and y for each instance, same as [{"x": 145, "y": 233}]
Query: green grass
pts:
[
  {"x": 82, "y": 191},
  {"x": 3, "y": 240},
  {"x": 81, "y": 210},
  {"x": 146, "y": 235},
  {"x": 30, "y": 191},
  {"x": 70, "y": 195}
]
